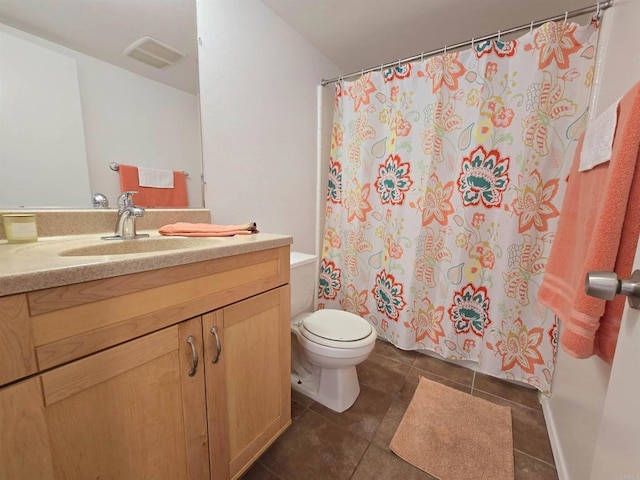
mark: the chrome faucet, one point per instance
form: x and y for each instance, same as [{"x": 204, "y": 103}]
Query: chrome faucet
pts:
[{"x": 126, "y": 221}]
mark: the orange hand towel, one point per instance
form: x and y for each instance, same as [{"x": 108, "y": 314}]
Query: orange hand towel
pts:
[
  {"x": 184, "y": 229},
  {"x": 154, "y": 197},
  {"x": 598, "y": 230}
]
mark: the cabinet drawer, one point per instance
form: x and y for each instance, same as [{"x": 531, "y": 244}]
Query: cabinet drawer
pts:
[{"x": 76, "y": 320}]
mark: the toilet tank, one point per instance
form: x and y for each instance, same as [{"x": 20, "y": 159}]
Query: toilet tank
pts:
[{"x": 303, "y": 281}]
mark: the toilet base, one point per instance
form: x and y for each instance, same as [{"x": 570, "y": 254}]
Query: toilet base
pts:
[{"x": 335, "y": 388}]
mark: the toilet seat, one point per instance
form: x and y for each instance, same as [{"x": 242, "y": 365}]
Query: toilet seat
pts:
[{"x": 337, "y": 329}]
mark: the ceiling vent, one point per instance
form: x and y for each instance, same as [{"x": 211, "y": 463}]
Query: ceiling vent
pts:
[{"x": 153, "y": 52}]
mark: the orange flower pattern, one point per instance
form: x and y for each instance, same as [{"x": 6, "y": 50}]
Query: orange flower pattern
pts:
[
  {"x": 444, "y": 70},
  {"x": 444, "y": 185},
  {"x": 444, "y": 122},
  {"x": 533, "y": 203},
  {"x": 361, "y": 91},
  {"x": 555, "y": 42},
  {"x": 551, "y": 105},
  {"x": 519, "y": 347},
  {"x": 435, "y": 204}
]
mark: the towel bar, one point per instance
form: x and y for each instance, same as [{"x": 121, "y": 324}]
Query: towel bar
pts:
[{"x": 115, "y": 167}]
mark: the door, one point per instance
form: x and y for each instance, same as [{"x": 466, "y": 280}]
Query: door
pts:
[
  {"x": 617, "y": 453},
  {"x": 134, "y": 411}
]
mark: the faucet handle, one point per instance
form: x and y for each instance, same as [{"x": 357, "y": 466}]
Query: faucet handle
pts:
[
  {"x": 99, "y": 200},
  {"x": 125, "y": 200}
]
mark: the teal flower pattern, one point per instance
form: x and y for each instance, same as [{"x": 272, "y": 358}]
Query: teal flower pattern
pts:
[
  {"x": 398, "y": 71},
  {"x": 470, "y": 310},
  {"x": 484, "y": 178},
  {"x": 393, "y": 180},
  {"x": 329, "y": 283},
  {"x": 388, "y": 295},
  {"x": 334, "y": 190}
]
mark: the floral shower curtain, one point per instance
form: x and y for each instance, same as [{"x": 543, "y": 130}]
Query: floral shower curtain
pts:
[{"x": 446, "y": 181}]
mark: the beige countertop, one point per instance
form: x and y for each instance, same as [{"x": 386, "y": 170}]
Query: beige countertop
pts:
[{"x": 46, "y": 263}]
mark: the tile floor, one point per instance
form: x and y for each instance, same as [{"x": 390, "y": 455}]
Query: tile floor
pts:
[{"x": 324, "y": 445}]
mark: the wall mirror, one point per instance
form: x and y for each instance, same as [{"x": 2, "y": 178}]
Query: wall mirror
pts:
[{"x": 72, "y": 102}]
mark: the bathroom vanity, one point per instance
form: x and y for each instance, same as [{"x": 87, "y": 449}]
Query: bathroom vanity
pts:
[{"x": 172, "y": 372}]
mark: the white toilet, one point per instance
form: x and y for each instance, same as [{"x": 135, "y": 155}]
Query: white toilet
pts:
[{"x": 330, "y": 343}]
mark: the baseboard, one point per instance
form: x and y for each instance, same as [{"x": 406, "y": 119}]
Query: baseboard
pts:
[{"x": 556, "y": 447}]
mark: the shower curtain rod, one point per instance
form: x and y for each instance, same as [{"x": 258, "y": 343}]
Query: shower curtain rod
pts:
[{"x": 598, "y": 7}]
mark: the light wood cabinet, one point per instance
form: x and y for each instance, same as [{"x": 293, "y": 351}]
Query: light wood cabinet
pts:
[{"x": 145, "y": 407}]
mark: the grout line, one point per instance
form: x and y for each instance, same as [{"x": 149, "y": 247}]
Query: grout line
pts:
[
  {"x": 535, "y": 458},
  {"x": 360, "y": 461}
]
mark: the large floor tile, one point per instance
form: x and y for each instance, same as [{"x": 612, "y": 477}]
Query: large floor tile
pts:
[
  {"x": 444, "y": 369},
  {"x": 412, "y": 378},
  {"x": 388, "y": 350},
  {"x": 314, "y": 448},
  {"x": 529, "y": 428},
  {"x": 364, "y": 416},
  {"x": 382, "y": 373},
  {"x": 390, "y": 423},
  {"x": 529, "y": 468},
  {"x": 380, "y": 465},
  {"x": 500, "y": 388}
]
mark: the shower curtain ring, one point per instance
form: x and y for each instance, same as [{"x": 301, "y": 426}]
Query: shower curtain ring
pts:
[
  {"x": 444, "y": 52},
  {"x": 598, "y": 11},
  {"x": 472, "y": 43},
  {"x": 498, "y": 35},
  {"x": 531, "y": 27},
  {"x": 422, "y": 57},
  {"x": 566, "y": 15}
]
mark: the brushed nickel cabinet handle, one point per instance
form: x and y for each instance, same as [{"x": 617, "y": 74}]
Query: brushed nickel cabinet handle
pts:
[
  {"x": 194, "y": 353},
  {"x": 214, "y": 331}
]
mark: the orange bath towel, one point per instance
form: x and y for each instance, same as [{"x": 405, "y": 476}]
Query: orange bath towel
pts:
[
  {"x": 598, "y": 230},
  {"x": 183, "y": 229},
  {"x": 154, "y": 197}
]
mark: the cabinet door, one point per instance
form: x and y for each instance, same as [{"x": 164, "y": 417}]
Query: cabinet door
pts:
[
  {"x": 132, "y": 411},
  {"x": 248, "y": 389},
  {"x": 25, "y": 450}
]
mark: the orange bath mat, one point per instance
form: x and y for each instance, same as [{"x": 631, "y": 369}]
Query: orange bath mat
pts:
[{"x": 454, "y": 436}]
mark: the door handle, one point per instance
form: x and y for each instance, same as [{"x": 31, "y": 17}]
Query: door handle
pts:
[{"x": 606, "y": 285}]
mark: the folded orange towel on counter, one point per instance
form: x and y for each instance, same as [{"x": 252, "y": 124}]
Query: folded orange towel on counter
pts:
[{"x": 184, "y": 229}]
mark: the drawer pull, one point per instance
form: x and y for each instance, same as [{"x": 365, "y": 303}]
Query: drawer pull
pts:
[
  {"x": 214, "y": 331},
  {"x": 194, "y": 354}
]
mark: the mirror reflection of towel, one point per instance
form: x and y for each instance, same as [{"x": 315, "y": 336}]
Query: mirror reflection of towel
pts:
[
  {"x": 154, "y": 197},
  {"x": 155, "y": 177}
]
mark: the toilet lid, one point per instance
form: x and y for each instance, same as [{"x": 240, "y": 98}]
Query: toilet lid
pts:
[{"x": 336, "y": 325}]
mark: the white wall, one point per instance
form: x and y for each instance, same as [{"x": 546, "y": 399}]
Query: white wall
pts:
[
  {"x": 40, "y": 127},
  {"x": 258, "y": 80},
  {"x": 127, "y": 119},
  {"x": 575, "y": 408}
]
